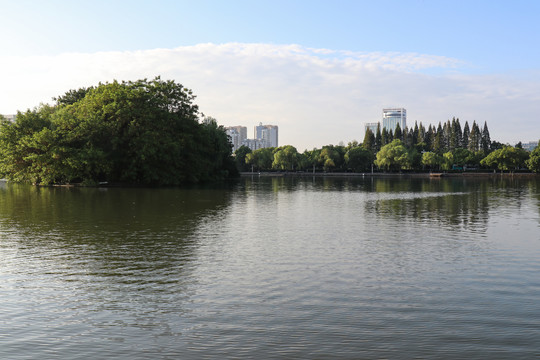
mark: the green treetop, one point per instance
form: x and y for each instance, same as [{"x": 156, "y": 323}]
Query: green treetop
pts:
[{"x": 142, "y": 132}]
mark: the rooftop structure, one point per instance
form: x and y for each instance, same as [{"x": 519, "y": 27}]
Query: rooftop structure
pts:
[{"x": 391, "y": 117}]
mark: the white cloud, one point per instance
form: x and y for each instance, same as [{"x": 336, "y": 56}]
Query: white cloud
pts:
[{"x": 315, "y": 96}]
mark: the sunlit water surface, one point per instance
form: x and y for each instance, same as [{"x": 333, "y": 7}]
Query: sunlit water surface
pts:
[{"x": 272, "y": 268}]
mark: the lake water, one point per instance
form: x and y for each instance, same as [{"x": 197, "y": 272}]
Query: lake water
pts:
[{"x": 273, "y": 268}]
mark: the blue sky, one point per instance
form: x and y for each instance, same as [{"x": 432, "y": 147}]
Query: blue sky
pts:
[{"x": 317, "y": 69}]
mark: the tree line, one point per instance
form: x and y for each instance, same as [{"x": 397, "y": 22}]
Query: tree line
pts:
[
  {"x": 152, "y": 133},
  {"x": 447, "y": 146},
  {"x": 142, "y": 132}
]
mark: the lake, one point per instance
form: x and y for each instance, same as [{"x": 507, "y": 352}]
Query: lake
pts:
[{"x": 273, "y": 268}]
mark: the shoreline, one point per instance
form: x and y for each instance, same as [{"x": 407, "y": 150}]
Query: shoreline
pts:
[{"x": 434, "y": 175}]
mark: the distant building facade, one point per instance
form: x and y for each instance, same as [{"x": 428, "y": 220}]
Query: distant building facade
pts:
[
  {"x": 10, "y": 117},
  {"x": 530, "y": 146},
  {"x": 371, "y": 126},
  {"x": 391, "y": 117},
  {"x": 264, "y": 136},
  {"x": 268, "y": 134},
  {"x": 237, "y": 134},
  {"x": 254, "y": 144}
]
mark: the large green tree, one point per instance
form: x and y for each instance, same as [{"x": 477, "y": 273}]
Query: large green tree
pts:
[
  {"x": 369, "y": 140},
  {"x": 393, "y": 156},
  {"x": 533, "y": 163},
  {"x": 142, "y": 132},
  {"x": 431, "y": 160},
  {"x": 507, "y": 159},
  {"x": 240, "y": 157},
  {"x": 461, "y": 156},
  {"x": 285, "y": 158},
  {"x": 359, "y": 159},
  {"x": 329, "y": 158},
  {"x": 261, "y": 159}
]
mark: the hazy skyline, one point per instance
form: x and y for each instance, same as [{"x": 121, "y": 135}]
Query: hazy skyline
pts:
[{"x": 318, "y": 69}]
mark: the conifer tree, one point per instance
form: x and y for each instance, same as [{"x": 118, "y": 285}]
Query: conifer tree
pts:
[
  {"x": 415, "y": 134},
  {"x": 384, "y": 137},
  {"x": 428, "y": 138},
  {"x": 369, "y": 140},
  {"x": 421, "y": 134},
  {"x": 465, "y": 137},
  {"x": 437, "y": 143},
  {"x": 447, "y": 132},
  {"x": 438, "y": 140},
  {"x": 407, "y": 137},
  {"x": 455, "y": 136},
  {"x": 398, "y": 133},
  {"x": 486, "y": 140},
  {"x": 378, "y": 139},
  {"x": 459, "y": 133},
  {"x": 474, "y": 137}
]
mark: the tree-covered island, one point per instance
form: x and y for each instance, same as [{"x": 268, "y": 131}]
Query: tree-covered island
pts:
[{"x": 142, "y": 132}]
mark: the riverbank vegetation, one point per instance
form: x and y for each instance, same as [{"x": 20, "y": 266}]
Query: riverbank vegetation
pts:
[
  {"x": 152, "y": 133},
  {"x": 142, "y": 132},
  {"x": 447, "y": 147}
]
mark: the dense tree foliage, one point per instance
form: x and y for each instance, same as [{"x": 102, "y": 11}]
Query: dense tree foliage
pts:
[
  {"x": 150, "y": 132},
  {"x": 431, "y": 160},
  {"x": 393, "y": 156},
  {"x": 369, "y": 141},
  {"x": 142, "y": 132},
  {"x": 445, "y": 147},
  {"x": 359, "y": 159},
  {"x": 508, "y": 158},
  {"x": 261, "y": 159},
  {"x": 285, "y": 158},
  {"x": 533, "y": 163},
  {"x": 240, "y": 158}
]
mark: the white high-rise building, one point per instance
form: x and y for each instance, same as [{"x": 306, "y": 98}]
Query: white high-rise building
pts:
[
  {"x": 268, "y": 134},
  {"x": 393, "y": 116},
  {"x": 237, "y": 134}
]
